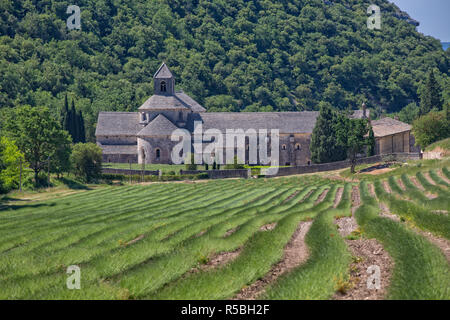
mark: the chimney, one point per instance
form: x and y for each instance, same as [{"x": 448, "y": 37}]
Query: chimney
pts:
[{"x": 364, "y": 109}]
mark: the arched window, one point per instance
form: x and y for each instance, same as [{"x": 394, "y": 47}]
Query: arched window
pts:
[
  {"x": 158, "y": 153},
  {"x": 163, "y": 86},
  {"x": 283, "y": 147},
  {"x": 297, "y": 146}
]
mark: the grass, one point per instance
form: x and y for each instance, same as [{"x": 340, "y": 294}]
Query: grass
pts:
[
  {"x": 166, "y": 168},
  {"x": 420, "y": 215},
  {"x": 443, "y": 144},
  {"x": 421, "y": 270},
  {"x": 142, "y": 241},
  {"x": 327, "y": 267}
]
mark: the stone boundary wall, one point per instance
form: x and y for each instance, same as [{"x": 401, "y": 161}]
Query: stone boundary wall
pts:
[
  {"x": 220, "y": 174},
  {"x": 130, "y": 172},
  {"x": 287, "y": 171},
  {"x": 431, "y": 155},
  {"x": 284, "y": 171}
]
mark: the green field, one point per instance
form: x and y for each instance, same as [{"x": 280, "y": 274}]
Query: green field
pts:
[{"x": 152, "y": 241}]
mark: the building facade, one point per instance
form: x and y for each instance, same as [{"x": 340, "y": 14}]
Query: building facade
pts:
[{"x": 145, "y": 136}]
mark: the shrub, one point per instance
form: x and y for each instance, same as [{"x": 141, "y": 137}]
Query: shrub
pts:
[
  {"x": 431, "y": 128},
  {"x": 235, "y": 165},
  {"x": 190, "y": 162},
  {"x": 86, "y": 161},
  {"x": 203, "y": 176}
]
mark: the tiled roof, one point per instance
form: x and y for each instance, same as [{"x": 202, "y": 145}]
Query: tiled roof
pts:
[
  {"x": 160, "y": 126},
  {"x": 118, "y": 124},
  {"x": 388, "y": 126},
  {"x": 163, "y": 102},
  {"x": 191, "y": 103},
  {"x": 286, "y": 122},
  {"x": 163, "y": 72}
]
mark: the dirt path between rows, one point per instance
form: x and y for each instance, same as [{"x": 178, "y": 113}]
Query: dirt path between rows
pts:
[
  {"x": 295, "y": 253},
  {"x": 443, "y": 177},
  {"x": 322, "y": 196},
  {"x": 442, "y": 243},
  {"x": 268, "y": 227},
  {"x": 366, "y": 253},
  {"x": 401, "y": 184},
  {"x": 291, "y": 196},
  {"x": 417, "y": 183},
  {"x": 217, "y": 260},
  {"x": 427, "y": 176},
  {"x": 387, "y": 187},
  {"x": 338, "y": 197}
]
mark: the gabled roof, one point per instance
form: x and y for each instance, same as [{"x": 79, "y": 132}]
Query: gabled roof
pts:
[
  {"x": 118, "y": 124},
  {"x": 359, "y": 114},
  {"x": 191, "y": 103},
  {"x": 388, "y": 126},
  {"x": 163, "y": 72},
  {"x": 285, "y": 122},
  {"x": 163, "y": 102},
  {"x": 160, "y": 126}
]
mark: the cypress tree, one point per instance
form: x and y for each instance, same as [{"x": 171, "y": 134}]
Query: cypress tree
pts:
[
  {"x": 371, "y": 143},
  {"x": 74, "y": 123},
  {"x": 82, "y": 128},
  {"x": 328, "y": 141},
  {"x": 431, "y": 97},
  {"x": 64, "y": 112}
]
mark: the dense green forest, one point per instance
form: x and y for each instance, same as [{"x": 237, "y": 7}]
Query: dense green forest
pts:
[{"x": 230, "y": 55}]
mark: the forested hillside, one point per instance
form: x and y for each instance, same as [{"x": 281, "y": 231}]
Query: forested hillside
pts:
[{"x": 228, "y": 54}]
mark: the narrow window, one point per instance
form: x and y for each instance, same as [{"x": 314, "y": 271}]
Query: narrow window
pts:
[
  {"x": 163, "y": 86},
  {"x": 158, "y": 153},
  {"x": 297, "y": 146},
  {"x": 283, "y": 147}
]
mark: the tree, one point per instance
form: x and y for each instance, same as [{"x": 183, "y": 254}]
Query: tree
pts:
[
  {"x": 10, "y": 160},
  {"x": 357, "y": 129},
  {"x": 74, "y": 124},
  {"x": 430, "y": 96},
  {"x": 60, "y": 157},
  {"x": 86, "y": 160},
  {"x": 328, "y": 137},
  {"x": 82, "y": 128},
  {"x": 64, "y": 113},
  {"x": 37, "y": 134},
  {"x": 409, "y": 113},
  {"x": 371, "y": 143},
  {"x": 431, "y": 128}
]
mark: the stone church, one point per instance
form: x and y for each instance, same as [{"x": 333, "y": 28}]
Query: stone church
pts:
[{"x": 145, "y": 136}]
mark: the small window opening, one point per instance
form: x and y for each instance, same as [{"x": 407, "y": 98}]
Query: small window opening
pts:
[{"x": 163, "y": 86}]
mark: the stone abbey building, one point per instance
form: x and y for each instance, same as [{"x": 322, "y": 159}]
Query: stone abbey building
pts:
[{"x": 145, "y": 136}]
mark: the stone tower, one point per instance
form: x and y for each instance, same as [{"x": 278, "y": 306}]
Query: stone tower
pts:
[{"x": 164, "y": 81}]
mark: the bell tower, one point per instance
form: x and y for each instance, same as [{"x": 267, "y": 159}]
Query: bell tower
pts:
[{"x": 164, "y": 81}]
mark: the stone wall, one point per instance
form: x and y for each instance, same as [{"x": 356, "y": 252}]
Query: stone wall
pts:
[
  {"x": 116, "y": 140},
  {"x": 287, "y": 171},
  {"x": 220, "y": 174},
  {"x": 120, "y": 158},
  {"x": 130, "y": 172},
  {"x": 148, "y": 148}
]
